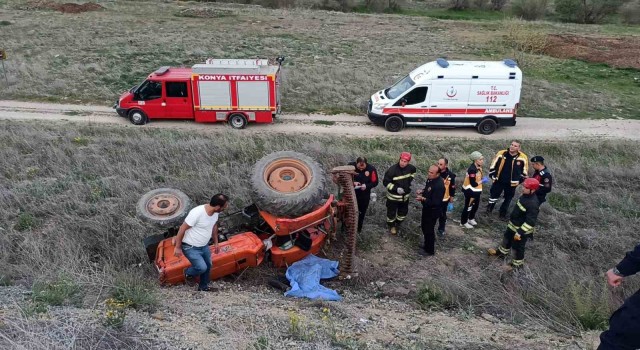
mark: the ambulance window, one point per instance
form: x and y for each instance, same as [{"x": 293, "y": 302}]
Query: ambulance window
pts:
[
  {"x": 417, "y": 95},
  {"x": 149, "y": 90},
  {"x": 400, "y": 87},
  {"x": 177, "y": 89}
]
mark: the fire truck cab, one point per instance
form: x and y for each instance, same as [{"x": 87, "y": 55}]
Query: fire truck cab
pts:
[
  {"x": 480, "y": 94},
  {"x": 221, "y": 90}
]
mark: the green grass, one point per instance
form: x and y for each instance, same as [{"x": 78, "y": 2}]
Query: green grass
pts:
[
  {"x": 57, "y": 292},
  {"x": 26, "y": 221},
  {"x": 136, "y": 291},
  {"x": 615, "y": 90}
]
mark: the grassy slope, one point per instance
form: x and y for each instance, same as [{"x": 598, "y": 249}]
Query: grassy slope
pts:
[
  {"x": 68, "y": 194},
  {"x": 335, "y": 60}
]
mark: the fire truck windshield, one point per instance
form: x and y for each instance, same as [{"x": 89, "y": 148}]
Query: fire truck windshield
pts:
[{"x": 399, "y": 88}]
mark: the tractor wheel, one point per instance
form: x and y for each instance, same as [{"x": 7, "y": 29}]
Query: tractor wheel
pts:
[
  {"x": 288, "y": 184},
  {"x": 165, "y": 207}
]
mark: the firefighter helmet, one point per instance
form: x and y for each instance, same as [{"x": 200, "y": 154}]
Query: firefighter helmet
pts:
[{"x": 531, "y": 184}]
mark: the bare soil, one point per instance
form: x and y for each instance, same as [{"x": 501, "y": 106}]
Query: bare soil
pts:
[
  {"x": 619, "y": 52},
  {"x": 64, "y": 8},
  {"x": 341, "y": 124}
]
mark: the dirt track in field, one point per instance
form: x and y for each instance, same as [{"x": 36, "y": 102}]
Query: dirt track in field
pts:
[{"x": 345, "y": 125}]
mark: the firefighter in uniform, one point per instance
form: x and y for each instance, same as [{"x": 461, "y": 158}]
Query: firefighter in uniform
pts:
[
  {"x": 449, "y": 179},
  {"x": 520, "y": 228},
  {"x": 624, "y": 324},
  {"x": 543, "y": 176},
  {"x": 472, "y": 189},
  {"x": 365, "y": 179},
  {"x": 431, "y": 199},
  {"x": 508, "y": 169},
  {"x": 398, "y": 180}
]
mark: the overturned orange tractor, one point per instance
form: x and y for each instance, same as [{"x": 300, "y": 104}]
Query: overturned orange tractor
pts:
[{"x": 292, "y": 217}]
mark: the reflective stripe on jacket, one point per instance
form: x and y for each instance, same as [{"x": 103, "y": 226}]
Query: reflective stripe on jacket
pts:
[{"x": 519, "y": 167}]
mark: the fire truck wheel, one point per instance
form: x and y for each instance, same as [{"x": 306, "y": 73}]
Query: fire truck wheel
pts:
[
  {"x": 288, "y": 184},
  {"x": 166, "y": 207},
  {"x": 487, "y": 126},
  {"x": 237, "y": 121},
  {"x": 394, "y": 123},
  {"x": 137, "y": 117}
]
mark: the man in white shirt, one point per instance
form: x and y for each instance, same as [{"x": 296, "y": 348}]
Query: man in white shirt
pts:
[{"x": 193, "y": 239}]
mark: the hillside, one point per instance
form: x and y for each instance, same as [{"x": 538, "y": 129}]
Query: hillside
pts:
[{"x": 70, "y": 235}]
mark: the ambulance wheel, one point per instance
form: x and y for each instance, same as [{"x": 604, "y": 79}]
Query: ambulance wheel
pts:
[
  {"x": 237, "y": 121},
  {"x": 394, "y": 123},
  {"x": 165, "y": 207},
  {"x": 487, "y": 126},
  {"x": 137, "y": 117},
  {"x": 288, "y": 184}
]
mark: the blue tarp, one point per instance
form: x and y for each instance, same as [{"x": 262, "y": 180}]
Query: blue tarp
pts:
[{"x": 304, "y": 277}]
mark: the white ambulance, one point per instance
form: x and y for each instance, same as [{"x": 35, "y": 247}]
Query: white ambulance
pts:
[{"x": 479, "y": 94}]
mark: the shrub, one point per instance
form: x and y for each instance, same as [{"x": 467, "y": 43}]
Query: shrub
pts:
[
  {"x": 522, "y": 37},
  {"x": 383, "y": 6},
  {"x": 26, "y": 221},
  {"x": 591, "y": 306},
  {"x": 630, "y": 12},
  {"x": 586, "y": 11},
  {"x": 135, "y": 291},
  {"x": 432, "y": 296},
  {"x": 529, "y": 9},
  {"x": 480, "y": 4},
  {"x": 498, "y": 5},
  {"x": 459, "y": 4}
]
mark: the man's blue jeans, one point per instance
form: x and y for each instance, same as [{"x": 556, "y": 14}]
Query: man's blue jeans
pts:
[{"x": 200, "y": 259}]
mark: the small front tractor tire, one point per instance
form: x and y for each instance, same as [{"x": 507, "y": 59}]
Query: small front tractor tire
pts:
[{"x": 165, "y": 207}]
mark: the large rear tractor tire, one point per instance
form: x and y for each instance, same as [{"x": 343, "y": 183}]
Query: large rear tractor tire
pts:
[
  {"x": 288, "y": 184},
  {"x": 165, "y": 207}
]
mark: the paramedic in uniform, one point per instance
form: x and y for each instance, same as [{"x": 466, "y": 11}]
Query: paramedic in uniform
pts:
[
  {"x": 431, "y": 199},
  {"x": 543, "y": 175},
  {"x": 449, "y": 179},
  {"x": 200, "y": 225},
  {"x": 508, "y": 169},
  {"x": 472, "y": 188},
  {"x": 365, "y": 179},
  {"x": 398, "y": 180},
  {"x": 624, "y": 324}
]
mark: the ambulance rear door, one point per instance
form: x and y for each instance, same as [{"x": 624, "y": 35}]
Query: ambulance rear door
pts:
[
  {"x": 448, "y": 103},
  {"x": 495, "y": 97}
]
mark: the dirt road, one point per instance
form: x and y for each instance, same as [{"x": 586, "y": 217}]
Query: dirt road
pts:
[{"x": 347, "y": 125}]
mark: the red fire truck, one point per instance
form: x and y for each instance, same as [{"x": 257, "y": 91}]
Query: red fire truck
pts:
[{"x": 236, "y": 91}]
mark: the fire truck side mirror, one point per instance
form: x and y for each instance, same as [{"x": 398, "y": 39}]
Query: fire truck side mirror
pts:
[{"x": 280, "y": 59}]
